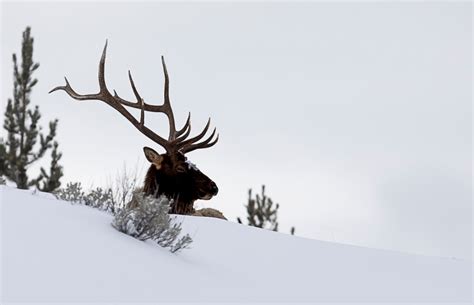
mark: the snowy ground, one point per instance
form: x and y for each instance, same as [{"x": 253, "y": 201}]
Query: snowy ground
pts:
[{"x": 53, "y": 251}]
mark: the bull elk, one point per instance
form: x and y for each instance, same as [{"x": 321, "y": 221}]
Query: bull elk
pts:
[{"x": 170, "y": 173}]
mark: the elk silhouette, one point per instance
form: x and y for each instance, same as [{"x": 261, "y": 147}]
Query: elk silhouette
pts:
[{"x": 170, "y": 174}]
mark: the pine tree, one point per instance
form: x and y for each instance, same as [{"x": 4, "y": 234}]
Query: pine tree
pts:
[
  {"x": 20, "y": 150},
  {"x": 261, "y": 212},
  {"x": 51, "y": 181}
]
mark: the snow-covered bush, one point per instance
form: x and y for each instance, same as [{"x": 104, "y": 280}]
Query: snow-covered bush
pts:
[
  {"x": 2, "y": 181},
  {"x": 72, "y": 192},
  {"x": 99, "y": 198},
  {"x": 148, "y": 219},
  {"x": 114, "y": 197}
]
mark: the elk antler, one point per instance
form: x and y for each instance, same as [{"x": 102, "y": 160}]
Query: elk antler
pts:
[{"x": 177, "y": 139}]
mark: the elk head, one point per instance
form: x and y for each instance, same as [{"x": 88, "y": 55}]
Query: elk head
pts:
[{"x": 170, "y": 173}]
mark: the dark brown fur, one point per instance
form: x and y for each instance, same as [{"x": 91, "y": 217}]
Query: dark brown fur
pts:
[{"x": 179, "y": 180}]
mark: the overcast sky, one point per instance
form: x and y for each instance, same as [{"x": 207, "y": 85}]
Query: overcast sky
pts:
[{"x": 357, "y": 117}]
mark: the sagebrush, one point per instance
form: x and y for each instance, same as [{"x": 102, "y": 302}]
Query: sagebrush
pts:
[
  {"x": 111, "y": 199},
  {"x": 99, "y": 198},
  {"x": 148, "y": 219},
  {"x": 140, "y": 216}
]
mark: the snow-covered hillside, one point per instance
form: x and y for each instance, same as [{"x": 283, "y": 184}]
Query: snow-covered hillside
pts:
[{"x": 55, "y": 251}]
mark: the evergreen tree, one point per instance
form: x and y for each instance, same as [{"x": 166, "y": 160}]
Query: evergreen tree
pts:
[
  {"x": 20, "y": 150},
  {"x": 51, "y": 181},
  {"x": 262, "y": 213}
]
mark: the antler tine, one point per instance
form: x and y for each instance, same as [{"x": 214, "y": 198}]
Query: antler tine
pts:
[
  {"x": 102, "y": 85},
  {"x": 166, "y": 103},
  {"x": 184, "y": 136},
  {"x": 140, "y": 102},
  {"x": 196, "y": 138},
  {"x": 70, "y": 91},
  {"x": 165, "y": 108},
  {"x": 176, "y": 139},
  {"x": 186, "y": 127},
  {"x": 204, "y": 144},
  {"x": 117, "y": 103},
  {"x": 209, "y": 138},
  {"x": 142, "y": 114},
  {"x": 139, "y": 98},
  {"x": 135, "y": 91}
]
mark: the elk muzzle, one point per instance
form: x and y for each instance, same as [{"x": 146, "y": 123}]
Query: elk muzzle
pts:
[{"x": 210, "y": 191}]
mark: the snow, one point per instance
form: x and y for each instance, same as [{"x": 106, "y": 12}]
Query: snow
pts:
[
  {"x": 191, "y": 165},
  {"x": 53, "y": 251}
]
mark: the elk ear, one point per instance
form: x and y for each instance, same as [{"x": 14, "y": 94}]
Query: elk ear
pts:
[{"x": 152, "y": 156}]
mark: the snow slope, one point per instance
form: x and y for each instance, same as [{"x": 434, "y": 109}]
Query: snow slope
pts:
[{"x": 53, "y": 251}]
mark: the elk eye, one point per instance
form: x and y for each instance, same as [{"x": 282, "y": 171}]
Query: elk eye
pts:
[{"x": 180, "y": 169}]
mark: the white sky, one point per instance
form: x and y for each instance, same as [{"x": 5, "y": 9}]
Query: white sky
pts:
[{"x": 356, "y": 116}]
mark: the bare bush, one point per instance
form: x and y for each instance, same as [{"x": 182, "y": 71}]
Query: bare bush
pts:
[
  {"x": 149, "y": 220},
  {"x": 123, "y": 187}
]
